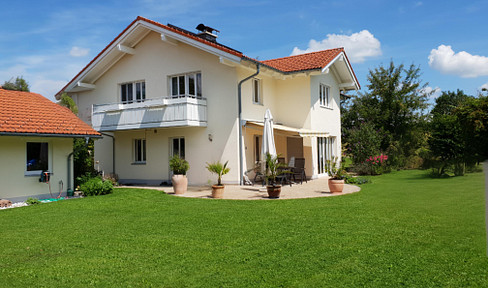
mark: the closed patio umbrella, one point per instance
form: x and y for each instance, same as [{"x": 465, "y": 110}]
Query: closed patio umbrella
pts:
[{"x": 268, "y": 145}]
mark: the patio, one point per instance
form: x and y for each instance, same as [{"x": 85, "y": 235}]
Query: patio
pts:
[{"x": 311, "y": 189}]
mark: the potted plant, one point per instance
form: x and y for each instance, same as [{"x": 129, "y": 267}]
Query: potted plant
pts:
[
  {"x": 273, "y": 169},
  {"x": 219, "y": 169},
  {"x": 179, "y": 167},
  {"x": 337, "y": 173}
]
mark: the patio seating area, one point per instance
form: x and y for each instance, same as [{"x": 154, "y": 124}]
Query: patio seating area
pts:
[{"x": 312, "y": 188}]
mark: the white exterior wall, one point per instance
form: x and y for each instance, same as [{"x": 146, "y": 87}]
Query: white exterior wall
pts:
[
  {"x": 324, "y": 118},
  {"x": 294, "y": 102},
  {"x": 153, "y": 61},
  {"x": 14, "y": 185}
]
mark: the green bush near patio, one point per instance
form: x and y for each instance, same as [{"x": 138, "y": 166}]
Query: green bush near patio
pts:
[{"x": 404, "y": 229}]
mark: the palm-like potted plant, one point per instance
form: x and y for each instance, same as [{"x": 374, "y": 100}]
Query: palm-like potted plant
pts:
[
  {"x": 179, "y": 166},
  {"x": 273, "y": 169},
  {"x": 337, "y": 173},
  {"x": 219, "y": 169}
]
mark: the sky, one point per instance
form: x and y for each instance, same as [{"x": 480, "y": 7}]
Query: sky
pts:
[{"x": 49, "y": 42}]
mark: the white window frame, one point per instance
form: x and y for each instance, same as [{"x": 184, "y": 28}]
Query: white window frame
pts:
[
  {"x": 179, "y": 140},
  {"x": 325, "y": 96},
  {"x": 185, "y": 78},
  {"x": 139, "y": 156},
  {"x": 257, "y": 95},
  {"x": 49, "y": 159},
  {"x": 325, "y": 152},
  {"x": 136, "y": 97},
  {"x": 257, "y": 143}
]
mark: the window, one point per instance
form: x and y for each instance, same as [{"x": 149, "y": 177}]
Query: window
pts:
[
  {"x": 37, "y": 159},
  {"x": 256, "y": 91},
  {"x": 135, "y": 91},
  {"x": 325, "y": 151},
  {"x": 324, "y": 95},
  {"x": 140, "y": 151},
  {"x": 186, "y": 85},
  {"x": 178, "y": 147},
  {"x": 257, "y": 148}
]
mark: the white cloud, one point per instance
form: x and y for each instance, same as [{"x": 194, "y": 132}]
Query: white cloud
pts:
[
  {"x": 461, "y": 64},
  {"x": 484, "y": 86},
  {"x": 78, "y": 51},
  {"x": 358, "y": 46}
]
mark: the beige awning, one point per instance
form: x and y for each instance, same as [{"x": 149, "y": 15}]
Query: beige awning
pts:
[{"x": 299, "y": 132}]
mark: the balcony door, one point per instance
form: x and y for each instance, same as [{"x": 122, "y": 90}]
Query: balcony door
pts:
[{"x": 177, "y": 147}]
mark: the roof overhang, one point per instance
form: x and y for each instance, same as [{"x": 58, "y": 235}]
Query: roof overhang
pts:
[
  {"x": 124, "y": 45},
  {"x": 291, "y": 131},
  {"x": 49, "y": 135},
  {"x": 342, "y": 70}
]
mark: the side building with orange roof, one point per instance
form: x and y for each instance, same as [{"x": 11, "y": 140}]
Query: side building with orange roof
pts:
[{"x": 36, "y": 137}]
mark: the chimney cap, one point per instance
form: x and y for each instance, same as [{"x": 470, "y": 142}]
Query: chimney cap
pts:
[{"x": 201, "y": 27}]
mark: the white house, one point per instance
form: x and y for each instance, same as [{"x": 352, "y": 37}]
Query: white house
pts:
[
  {"x": 158, "y": 90},
  {"x": 36, "y": 135}
]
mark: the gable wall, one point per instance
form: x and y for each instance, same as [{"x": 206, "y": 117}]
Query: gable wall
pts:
[{"x": 153, "y": 62}]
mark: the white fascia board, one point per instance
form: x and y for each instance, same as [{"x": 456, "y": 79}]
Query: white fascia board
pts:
[
  {"x": 191, "y": 42},
  {"x": 326, "y": 68},
  {"x": 342, "y": 58}
]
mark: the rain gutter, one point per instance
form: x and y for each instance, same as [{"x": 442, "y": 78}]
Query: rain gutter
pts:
[{"x": 239, "y": 100}]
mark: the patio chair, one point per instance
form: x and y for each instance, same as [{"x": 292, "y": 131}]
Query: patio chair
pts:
[
  {"x": 285, "y": 177},
  {"x": 298, "y": 170},
  {"x": 258, "y": 176}
]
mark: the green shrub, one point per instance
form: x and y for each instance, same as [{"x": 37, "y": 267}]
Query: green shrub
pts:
[
  {"x": 178, "y": 165},
  {"x": 32, "y": 201},
  {"x": 83, "y": 178},
  {"x": 96, "y": 186},
  {"x": 356, "y": 180}
]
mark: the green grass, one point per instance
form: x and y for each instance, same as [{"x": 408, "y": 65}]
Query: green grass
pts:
[{"x": 405, "y": 229}]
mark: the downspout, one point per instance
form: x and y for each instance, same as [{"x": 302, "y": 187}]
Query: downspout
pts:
[
  {"x": 113, "y": 149},
  {"x": 68, "y": 188},
  {"x": 239, "y": 98}
]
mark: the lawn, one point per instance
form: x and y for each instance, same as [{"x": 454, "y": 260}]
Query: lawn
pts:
[{"x": 404, "y": 229}]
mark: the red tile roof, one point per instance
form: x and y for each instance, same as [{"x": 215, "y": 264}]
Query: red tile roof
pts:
[
  {"x": 308, "y": 61},
  {"x": 30, "y": 113}
]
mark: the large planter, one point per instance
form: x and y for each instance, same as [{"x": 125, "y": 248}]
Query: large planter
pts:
[
  {"x": 336, "y": 186},
  {"x": 273, "y": 191},
  {"x": 218, "y": 191},
  {"x": 180, "y": 184}
]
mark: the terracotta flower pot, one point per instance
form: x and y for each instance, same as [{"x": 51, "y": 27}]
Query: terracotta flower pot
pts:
[
  {"x": 180, "y": 184},
  {"x": 273, "y": 191},
  {"x": 217, "y": 191},
  {"x": 336, "y": 186}
]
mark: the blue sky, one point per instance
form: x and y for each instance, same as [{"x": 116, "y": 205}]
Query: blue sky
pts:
[{"x": 49, "y": 42}]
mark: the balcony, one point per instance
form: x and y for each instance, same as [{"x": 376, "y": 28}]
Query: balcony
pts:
[{"x": 151, "y": 113}]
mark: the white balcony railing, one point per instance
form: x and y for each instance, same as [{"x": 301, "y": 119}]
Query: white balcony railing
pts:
[{"x": 151, "y": 113}]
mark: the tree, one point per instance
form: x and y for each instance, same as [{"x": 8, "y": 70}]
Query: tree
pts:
[
  {"x": 473, "y": 116},
  {"x": 82, "y": 152},
  {"x": 394, "y": 106},
  {"x": 447, "y": 142},
  {"x": 18, "y": 85},
  {"x": 68, "y": 102}
]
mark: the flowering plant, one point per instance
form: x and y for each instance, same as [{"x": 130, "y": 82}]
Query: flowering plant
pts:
[{"x": 377, "y": 163}]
